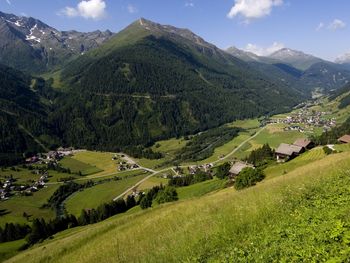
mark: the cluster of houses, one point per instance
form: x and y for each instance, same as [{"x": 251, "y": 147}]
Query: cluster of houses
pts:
[
  {"x": 52, "y": 156},
  {"x": 308, "y": 118},
  {"x": 124, "y": 166},
  {"x": 8, "y": 187},
  {"x": 196, "y": 168},
  {"x": 286, "y": 152}
]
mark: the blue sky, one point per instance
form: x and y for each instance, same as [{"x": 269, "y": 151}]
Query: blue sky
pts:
[{"x": 318, "y": 27}]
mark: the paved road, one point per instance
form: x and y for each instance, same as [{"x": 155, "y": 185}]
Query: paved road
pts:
[
  {"x": 153, "y": 172},
  {"x": 241, "y": 145}
]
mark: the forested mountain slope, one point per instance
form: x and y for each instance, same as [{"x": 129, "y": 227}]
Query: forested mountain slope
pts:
[
  {"x": 23, "y": 116},
  {"x": 152, "y": 81}
]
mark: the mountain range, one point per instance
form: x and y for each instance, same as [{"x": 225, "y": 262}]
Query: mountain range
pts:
[
  {"x": 148, "y": 82},
  {"x": 28, "y": 44}
]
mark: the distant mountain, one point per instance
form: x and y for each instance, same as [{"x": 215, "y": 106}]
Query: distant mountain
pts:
[
  {"x": 298, "y": 70},
  {"x": 325, "y": 75},
  {"x": 295, "y": 58},
  {"x": 243, "y": 55},
  {"x": 344, "y": 59},
  {"x": 249, "y": 56},
  {"x": 30, "y": 45}
]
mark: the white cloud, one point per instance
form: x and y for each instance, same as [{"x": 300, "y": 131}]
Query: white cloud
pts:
[
  {"x": 9, "y": 2},
  {"x": 320, "y": 26},
  {"x": 132, "y": 9},
  {"x": 251, "y": 9},
  {"x": 263, "y": 51},
  {"x": 189, "y": 4},
  {"x": 336, "y": 24},
  {"x": 94, "y": 9}
]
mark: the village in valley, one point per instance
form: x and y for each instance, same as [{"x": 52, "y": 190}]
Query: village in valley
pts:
[
  {"x": 305, "y": 119},
  {"x": 40, "y": 165}
]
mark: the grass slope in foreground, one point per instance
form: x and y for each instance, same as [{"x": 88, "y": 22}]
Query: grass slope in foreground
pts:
[{"x": 301, "y": 216}]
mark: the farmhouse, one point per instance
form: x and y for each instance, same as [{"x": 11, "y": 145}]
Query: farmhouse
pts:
[
  {"x": 304, "y": 143},
  {"x": 238, "y": 167},
  {"x": 285, "y": 152},
  {"x": 344, "y": 139}
]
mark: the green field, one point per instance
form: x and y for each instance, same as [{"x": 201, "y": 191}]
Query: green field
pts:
[
  {"x": 302, "y": 216},
  {"x": 9, "y": 249},
  {"x": 16, "y": 205},
  {"x": 103, "y": 193},
  {"x": 77, "y": 166},
  {"x": 200, "y": 189},
  {"x": 25, "y": 176},
  {"x": 100, "y": 160},
  {"x": 153, "y": 181}
]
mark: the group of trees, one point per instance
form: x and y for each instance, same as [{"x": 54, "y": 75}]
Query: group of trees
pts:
[
  {"x": 261, "y": 155},
  {"x": 140, "y": 152},
  {"x": 42, "y": 229},
  {"x": 64, "y": 191},
  {"x": 223, "y": 171},
  {"x": 160, "y": 194},
  {"x": 202, "y": 146},
  {"x": 187, "y": 180},
  {"x": 104, "y": 211},
  {"x": 248, "y": 177},
  {"x": 13, "y": 232}
]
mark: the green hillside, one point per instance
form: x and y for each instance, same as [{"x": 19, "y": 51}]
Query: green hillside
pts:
[{"x": 300, "y": 216}]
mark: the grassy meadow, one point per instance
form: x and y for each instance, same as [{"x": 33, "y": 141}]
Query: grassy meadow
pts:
[
  {"x": 102, "y": 193},
  {"x": 17, "y": 205},
  {"x": 77, "y": 166},
  {"x": 99, "y": 160},
  {"x": 301, "y": 216}
]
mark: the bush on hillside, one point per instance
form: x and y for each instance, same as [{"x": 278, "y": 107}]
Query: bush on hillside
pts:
[
  {"x": 168, "y": 194},
  {"x": 260, "y": 156},
  {"x": 248, "y": 177},
  {"x": 223, "y": 171},
  {"x": 327, "y": 150}
]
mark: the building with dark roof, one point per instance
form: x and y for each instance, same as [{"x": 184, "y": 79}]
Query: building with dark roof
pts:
[
  {"x": 238, "y": 167},
  {"x": 285, "y": 152},
  {"x": 304, "y": 143}
]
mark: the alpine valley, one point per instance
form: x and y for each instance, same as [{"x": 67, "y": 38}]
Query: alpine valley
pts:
[
  {"x": 153, "y": 145},
  {"x": 108, "y": 91}
]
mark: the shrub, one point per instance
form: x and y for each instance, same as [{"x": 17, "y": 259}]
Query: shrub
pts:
[
  {"x": 169, "y": 194},
  {"x": 223, "y": 171},
  {"x": 327, "y": 150},
  {"x": 248, "y": 177}
]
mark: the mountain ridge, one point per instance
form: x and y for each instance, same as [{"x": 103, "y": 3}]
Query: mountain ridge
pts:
[{"x": 30, "y": 45}]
